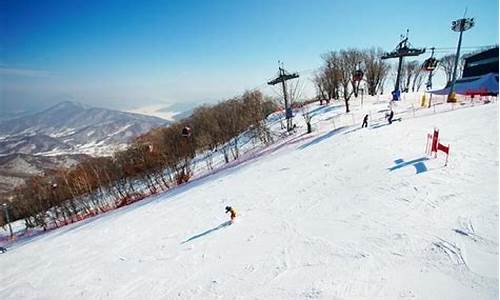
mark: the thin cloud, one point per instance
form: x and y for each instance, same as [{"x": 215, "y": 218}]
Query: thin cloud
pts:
[{"x": 23, "y": 72}]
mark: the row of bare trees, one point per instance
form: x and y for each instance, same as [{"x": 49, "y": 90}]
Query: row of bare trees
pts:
[
  {"x": 413, "y": 75},
  {"x": 154, "y": 162},
  {"x": 335, "y": 78}
]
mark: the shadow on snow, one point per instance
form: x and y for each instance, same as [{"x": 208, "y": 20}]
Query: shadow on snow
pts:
[
  {"x": 323, "y": 137},
  {"x": 225, "y": 224},
  {"x": 417, "y": 163},
  {"x": 322, "y": 110},
  {"x": 382, "y": 124}
]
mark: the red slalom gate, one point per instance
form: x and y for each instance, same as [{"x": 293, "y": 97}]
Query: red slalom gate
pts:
[{"x": 433, "y": 145}]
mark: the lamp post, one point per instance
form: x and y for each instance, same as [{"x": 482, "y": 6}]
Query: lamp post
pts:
[{"x": 459, "y": 25}]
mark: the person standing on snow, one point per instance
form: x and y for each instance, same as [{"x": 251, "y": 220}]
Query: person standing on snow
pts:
[
  {"x": 232, "y": 211},
  {"x": 365, "y": 122},
  {"x": 391, "y": 115}
]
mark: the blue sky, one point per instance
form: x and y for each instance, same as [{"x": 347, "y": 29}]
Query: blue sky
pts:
[{"x": 123, "y": 54}]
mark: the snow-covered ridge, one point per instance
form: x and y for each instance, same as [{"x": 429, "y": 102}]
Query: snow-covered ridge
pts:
[{"x": 69, "y": 124}]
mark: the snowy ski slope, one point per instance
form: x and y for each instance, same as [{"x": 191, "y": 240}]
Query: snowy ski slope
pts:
[{"x": 329, "y": 215}]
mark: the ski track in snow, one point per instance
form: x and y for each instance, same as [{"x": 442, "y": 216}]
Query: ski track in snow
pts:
[{"x": 320, "y": 217}]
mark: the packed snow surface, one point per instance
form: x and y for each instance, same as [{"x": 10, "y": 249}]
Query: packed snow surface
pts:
[{"x": 344, "y": 213}]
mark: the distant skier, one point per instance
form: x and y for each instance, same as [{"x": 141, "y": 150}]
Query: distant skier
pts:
[
  {"x": 365, "y": 122},
  {"x": 390, "y": 116},
  {"x": 396, "y": 94},
  {"x": 232, "y": 211}
]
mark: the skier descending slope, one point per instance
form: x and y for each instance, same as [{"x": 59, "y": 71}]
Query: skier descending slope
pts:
[
  {"x": 365, "y": 122},
  {"x": 390, "y": 116},
  {"x": 232, "y": 211}
]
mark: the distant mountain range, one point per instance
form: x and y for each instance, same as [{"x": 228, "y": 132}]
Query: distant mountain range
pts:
[
  {"x": 63, "y": 135},
  {"x": 73, "y": 128}
]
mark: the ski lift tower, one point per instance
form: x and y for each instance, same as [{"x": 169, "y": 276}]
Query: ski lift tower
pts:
[
  {"x": 459, "y": 25},
  {"x": 402, "y": 49},
  {"x": 283, "y": 76}
]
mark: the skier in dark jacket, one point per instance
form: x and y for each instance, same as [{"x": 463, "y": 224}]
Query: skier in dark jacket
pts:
[{"x": 365, "y": 122}]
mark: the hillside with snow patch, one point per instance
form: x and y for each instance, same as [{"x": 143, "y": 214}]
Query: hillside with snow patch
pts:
[
  {"x": 73, "y": 128},
  {"x": 342, "y": 213}
]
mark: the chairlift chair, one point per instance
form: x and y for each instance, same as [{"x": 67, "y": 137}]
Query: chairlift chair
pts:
[
  {"x": 358, "y": 75},
  {"x": 186, "y": 131},
  {"x": 430, "y": 64}
]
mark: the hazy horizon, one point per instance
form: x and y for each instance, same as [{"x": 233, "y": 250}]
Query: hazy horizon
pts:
[{"x": 127, "y": 56}]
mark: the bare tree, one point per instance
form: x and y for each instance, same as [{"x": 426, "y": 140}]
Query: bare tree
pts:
[
  {"x": 446, "y": 63},
  {"x": 409, "y": 71},
  {"x": 320, "y": 86},
  {"x": 354, "y": 60},
  {"x": 418, "y": 79},
  {"x": 348, "y": 61},
  {"x": 306, "y": 114},
  {"x": 328, "y": 78},
  {"x": 376, "y": 70},
  {"x": 256, "y": 108}
]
